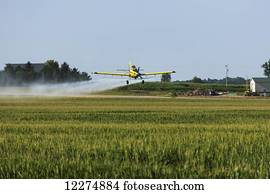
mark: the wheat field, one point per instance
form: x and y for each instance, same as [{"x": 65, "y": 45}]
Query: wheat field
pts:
[{"x": 81, "y": 137}]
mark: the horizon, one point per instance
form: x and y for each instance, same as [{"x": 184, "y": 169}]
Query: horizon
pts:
[{"x": 155, "y": 78}]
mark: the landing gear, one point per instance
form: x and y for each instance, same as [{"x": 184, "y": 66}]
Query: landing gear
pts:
[
  {"x": 142, "y": 81},
  {"x": 127, "y": 82}
]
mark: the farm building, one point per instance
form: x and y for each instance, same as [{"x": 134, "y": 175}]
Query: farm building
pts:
[
  {"x": 37, "y": 66},
  {"x": 260, "y": 85}
]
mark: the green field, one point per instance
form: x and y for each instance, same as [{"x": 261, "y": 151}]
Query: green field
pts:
[
  {"x": 169, "y": 88},
  {"x": 80, "y": 137}
]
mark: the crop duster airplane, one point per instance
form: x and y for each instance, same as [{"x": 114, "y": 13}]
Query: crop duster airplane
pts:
[{"x": 134, "y": 73}]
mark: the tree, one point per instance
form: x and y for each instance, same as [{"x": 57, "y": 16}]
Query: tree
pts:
[
  {"x": 266, "y": 67},
  {"x": 30, "y": 74},
  {"x": 166, "y": 78},
  {"x": 85, "y": 77},
  {"x": 10, "y": 74},
  {"x": 20, "y": 75},
  {"x": 196, "y": 80},
  {"x": 2, "y": 77},
  {"x": 75, "y": 74},
  {"x": 64, "y": 72},
  {"x": 10, "y": 71},
  {"x": 51, "y": 71}
]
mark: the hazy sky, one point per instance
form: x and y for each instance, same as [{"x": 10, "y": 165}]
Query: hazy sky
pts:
[{"x": 193, "y": 37}]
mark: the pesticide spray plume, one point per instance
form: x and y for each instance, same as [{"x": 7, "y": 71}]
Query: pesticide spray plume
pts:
[{"x": 63, "y": 89}]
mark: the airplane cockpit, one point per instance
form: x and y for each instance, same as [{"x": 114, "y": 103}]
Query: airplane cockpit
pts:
[{"x": 133, "y": 67}]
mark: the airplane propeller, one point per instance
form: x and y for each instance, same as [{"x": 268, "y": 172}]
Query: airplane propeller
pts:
[{"x": 140, "y": 75}]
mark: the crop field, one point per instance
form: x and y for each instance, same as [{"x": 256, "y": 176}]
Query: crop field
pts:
[
  {"x": 167, "y": 88},
  {"x": 82, "y": 137}
]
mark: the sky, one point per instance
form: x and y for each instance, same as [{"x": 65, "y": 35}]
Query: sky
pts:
[{"x": 192, "y": 37}]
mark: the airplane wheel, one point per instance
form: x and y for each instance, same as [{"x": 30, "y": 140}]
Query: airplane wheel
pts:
[
  {"x": 127, "y": 82},
  {"x": 142, "y": 81}
]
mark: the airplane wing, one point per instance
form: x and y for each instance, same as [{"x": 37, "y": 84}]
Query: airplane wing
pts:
[
  {"x": 110, "y": 73},
  {"x": 158, "y": 73}
]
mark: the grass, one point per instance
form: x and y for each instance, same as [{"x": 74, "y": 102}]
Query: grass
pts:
[
  {"x": 157, "y": 88},
  {"x": 134, "y": 138}
]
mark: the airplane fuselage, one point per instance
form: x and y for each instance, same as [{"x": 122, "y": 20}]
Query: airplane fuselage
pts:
[{"x": 133, "y": 74}]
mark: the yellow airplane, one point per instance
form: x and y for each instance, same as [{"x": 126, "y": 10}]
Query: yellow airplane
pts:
[{"x": 134, "y": 73}]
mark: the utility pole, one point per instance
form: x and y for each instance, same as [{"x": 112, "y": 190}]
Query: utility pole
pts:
[{"x": 227, "y": 73}]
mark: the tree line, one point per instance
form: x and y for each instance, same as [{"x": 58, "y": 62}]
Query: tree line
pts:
[
  {"x": 51, "y": 72},
  {"x": 237, "y": 80}
]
